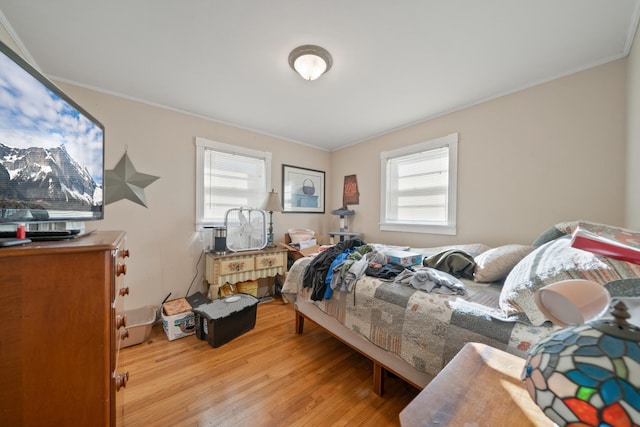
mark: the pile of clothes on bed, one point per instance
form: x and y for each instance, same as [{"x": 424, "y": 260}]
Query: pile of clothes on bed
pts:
[{"x": 338, "y": 268}]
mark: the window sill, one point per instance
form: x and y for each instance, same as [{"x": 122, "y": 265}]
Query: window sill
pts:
[{"x": 449, "y": 229}]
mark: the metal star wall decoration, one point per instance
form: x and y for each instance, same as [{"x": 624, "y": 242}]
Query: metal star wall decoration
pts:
[{"x": 124, "y": 182}]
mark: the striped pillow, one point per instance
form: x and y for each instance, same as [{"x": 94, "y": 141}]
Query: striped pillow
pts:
[{"x": 553, "y": 262}]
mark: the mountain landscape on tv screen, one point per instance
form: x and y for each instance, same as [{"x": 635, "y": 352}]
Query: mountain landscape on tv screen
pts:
[{"x": 46, "y": 178}]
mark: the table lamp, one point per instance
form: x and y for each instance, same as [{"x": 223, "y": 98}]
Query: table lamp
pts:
[
  {"x": 588, "y": 374},
  {"x": 271, "y": 205}
]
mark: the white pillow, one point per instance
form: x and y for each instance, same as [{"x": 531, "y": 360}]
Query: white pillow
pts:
[{"x": 495, "y": 264}]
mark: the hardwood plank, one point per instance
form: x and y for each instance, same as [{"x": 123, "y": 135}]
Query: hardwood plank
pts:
[{"x": 267, "y": 377}]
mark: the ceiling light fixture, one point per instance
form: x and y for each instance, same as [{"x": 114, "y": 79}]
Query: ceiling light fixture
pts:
[{"x": 310, "y": 61}]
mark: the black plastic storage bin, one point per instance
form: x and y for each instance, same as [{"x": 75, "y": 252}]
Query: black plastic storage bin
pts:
[{"x": 222, "y": 320}]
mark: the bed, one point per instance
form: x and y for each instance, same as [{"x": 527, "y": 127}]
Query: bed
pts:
[{"x": 413, "y": 333}]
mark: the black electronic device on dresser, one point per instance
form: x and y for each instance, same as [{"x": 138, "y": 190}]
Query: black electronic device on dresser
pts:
[{"x": 45, "y": 235}]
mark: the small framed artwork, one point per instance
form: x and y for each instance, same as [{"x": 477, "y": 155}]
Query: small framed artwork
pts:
[{"x": 302, "y": 190}]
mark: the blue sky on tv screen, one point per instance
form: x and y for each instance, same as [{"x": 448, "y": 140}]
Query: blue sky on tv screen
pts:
[{"x": 31, "y": 115}]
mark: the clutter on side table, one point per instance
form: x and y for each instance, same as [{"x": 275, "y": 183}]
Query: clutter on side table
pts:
[
  {"x": 301, "y": 243},
  {"x": 297, "y": 235}
]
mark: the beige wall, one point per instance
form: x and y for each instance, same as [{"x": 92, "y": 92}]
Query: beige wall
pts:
[
  {"x": 632, "y": 218},
  {"x": 550, "y": 153},
  {"x": 164, "y": 244}
]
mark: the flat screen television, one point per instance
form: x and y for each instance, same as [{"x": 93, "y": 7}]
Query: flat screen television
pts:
[{"x": 51, "y": 150}]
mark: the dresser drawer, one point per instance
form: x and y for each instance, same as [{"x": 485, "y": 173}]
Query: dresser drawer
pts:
[
  {"x": 236, "y": 265},
  {"x": 269, "y": 261}
]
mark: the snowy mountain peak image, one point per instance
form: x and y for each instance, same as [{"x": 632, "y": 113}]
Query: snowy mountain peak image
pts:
[{"x": 47, "y": 177}]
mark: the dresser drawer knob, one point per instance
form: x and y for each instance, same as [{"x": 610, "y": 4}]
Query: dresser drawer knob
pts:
[
  {"x": 121, "y": 321},
  {"x": 124, "y": 253},
  {"x": 124, "y": 291},
  {"x": 124, "y": 334},
  {"x": 122, "y": 269},
  {"x": 121, "y": 381}
]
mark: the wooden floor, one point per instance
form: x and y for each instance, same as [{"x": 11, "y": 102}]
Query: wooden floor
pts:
[{"x": 266, "y": 377}]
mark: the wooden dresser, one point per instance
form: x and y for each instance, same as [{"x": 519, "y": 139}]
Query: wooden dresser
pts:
[{"x": 61, "y": 324}]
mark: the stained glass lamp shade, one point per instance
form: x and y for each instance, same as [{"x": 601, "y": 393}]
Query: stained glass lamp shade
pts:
[{"x": 589, "y": 374}]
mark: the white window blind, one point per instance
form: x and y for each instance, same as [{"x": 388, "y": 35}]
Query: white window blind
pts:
[
  {"x": 229, "y": 177},
  {"x": 418, "y": 187}
]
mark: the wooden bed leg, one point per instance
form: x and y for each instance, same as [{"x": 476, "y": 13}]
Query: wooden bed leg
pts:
[
  {"x": 378, "y": 378},
  {"x": 299, "y": 323}
]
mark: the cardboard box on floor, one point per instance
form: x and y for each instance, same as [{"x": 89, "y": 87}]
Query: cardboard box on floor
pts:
[
  {"x": 177, "y": 319},
  {"x": 300, "y": 253}
]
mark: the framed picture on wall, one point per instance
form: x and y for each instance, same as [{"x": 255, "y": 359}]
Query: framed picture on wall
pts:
[{"x": 302, "y": 190}]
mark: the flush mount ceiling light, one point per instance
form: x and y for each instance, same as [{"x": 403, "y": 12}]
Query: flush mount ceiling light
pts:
[{"x": 310, "y": 61}]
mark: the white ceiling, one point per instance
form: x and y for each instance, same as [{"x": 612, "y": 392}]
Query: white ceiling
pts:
[{"x": 395, "y": 63}]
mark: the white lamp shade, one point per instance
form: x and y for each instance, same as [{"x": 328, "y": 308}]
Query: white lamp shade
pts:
[
  {"x": 572, "y": 302},
  {"x": 272, "y": 204}
]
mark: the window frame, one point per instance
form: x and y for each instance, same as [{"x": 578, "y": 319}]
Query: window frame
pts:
[
  {"x": 202, "y": 145},
  {"x": 449, "y": 227}
]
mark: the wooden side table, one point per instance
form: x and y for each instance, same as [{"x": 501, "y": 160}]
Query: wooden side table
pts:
[
  {"x": 234, "y": 267},
  {"x": 481, "y": 386}
]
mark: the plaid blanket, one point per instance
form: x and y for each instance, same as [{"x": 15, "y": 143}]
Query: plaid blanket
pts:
[{"x": 425, "y": 329}]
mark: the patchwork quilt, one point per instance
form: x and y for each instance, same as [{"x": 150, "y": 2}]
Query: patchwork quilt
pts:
[{"x": 425, "y": 329}]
